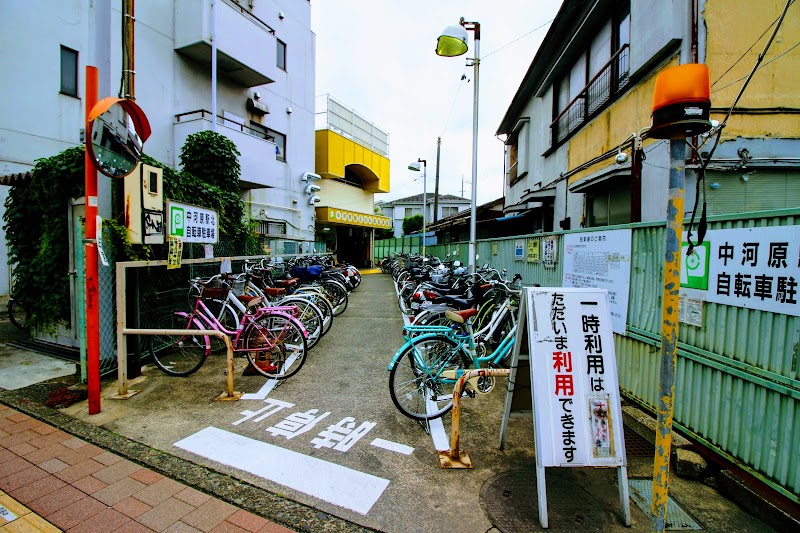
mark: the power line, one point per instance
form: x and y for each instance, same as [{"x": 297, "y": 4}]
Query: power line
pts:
[
  {"x": 745, "y": 53},
  {"x": 734, "y": 82},
  {"x": 758, "y": 62}
]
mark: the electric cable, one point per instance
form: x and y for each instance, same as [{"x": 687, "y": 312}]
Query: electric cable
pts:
[
  {"x": 702, "y": 225},
  {"x": 746, "y": 51},
  {"x": 734, "y": 82}
]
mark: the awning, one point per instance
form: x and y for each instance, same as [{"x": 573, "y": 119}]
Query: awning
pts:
[
  {"x": 513, "y": 217},
  {"x": 540, "y": 194},
  {"x": 608, "y": 179}
]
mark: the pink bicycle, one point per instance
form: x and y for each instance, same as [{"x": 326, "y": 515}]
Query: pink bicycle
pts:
[{"x": 271, "y": 338}]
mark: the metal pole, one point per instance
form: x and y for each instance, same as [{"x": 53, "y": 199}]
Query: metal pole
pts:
[
  {"x": 436, "y": 191},
  {"x": 90, "y": 253},
  {"x": 424, "y": 203},
  {"x": 455, "y": 457},
  {"x": 476, "y": 28},
  {"x": 669, "y": 334},
  {"x": 213, "y": 65}
]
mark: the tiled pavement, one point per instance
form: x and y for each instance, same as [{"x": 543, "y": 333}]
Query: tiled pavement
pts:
[{"x": 52, "y": 481}]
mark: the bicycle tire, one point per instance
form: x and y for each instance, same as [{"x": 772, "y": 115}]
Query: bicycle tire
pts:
[
  {"x": 310, "y": 316},
  {"x": 178, "y": 355},
  {"x": 275, "y": 346},
  {"x": 412, "y": 390},
  {"x": 337, "y": 295},
  {"x": 18, "y": 316},
  {"x": 317, "y": 296}
]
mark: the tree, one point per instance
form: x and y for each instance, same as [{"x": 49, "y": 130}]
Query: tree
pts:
[
  {"x": 412, "y": 224},
  {"x": 384, "y": 233}
]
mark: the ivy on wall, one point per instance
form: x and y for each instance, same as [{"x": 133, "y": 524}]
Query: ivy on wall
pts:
[{"x": 36, "y": 214}]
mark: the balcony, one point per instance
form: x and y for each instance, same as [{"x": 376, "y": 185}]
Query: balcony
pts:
[
  {"x": 246, "y": 46},
  {"x": 601, "y": 89},
  {"x": 258, "y": 162}
]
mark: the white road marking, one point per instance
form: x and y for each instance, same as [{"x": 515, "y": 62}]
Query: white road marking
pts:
[
  {"x": 438, "y": 434},
  {"x": 330, "y": 482},
  {"x": 270, "y": 384},
  {"x": 393, "y": 446}
]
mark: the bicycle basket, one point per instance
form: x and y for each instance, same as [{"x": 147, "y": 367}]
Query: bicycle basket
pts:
[{"x": 216, "y": 290}]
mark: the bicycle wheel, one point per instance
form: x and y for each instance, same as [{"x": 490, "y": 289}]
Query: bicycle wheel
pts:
[
  {"x": 337, "y": 294},
  {"x": 317, "y": 296},
  {"x": 405, "y": 297},
  {"x": 18, "y": 316},
  {"x": 276, "y": 346},
  {"x": 416, "y": 391},
  {"x": 178, "y": 355},
  {"x": 310, "y": 316}
]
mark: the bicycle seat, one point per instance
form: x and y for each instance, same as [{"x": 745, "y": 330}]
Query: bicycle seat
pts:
[
  {"x": 460, "y": 316},
  {"x": 274, "y": 291},
  {"x": 286, "y": 282}
]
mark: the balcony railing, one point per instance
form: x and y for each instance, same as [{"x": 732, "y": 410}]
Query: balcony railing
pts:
[
  {"x": 607, "y": 83},
  {"x": 511, "y": 174}
]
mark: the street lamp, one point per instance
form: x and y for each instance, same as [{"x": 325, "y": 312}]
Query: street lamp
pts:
[
  {"x": 451, "y": 43},
  {"x": 415, "y": 167}
]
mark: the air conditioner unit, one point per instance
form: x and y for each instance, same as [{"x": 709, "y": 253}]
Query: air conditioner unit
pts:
[{"x": 310, "y": 176}]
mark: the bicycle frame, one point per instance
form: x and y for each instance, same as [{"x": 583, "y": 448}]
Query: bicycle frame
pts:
[
  {"x": 464, "y": 343},
  {"x": 203, "y": 314}
]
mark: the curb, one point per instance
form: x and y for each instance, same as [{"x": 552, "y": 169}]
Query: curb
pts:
[{"x": 238, "y": 493}]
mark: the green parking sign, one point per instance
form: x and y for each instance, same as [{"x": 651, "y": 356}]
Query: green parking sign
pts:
[{"x": 694, "y": 268}]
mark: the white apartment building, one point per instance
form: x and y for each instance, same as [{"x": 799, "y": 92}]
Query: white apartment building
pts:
[{"x": 264, "y": 91}]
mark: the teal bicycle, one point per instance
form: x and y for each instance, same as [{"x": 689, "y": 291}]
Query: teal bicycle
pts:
[{"x": 425, "y": 369}]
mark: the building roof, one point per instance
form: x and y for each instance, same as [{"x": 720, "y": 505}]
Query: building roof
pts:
[
  {"x": 417, "y": 198},
  {"x": 488, "y": 211},
  {"x": 14, "y": 179},
  {"x": 570, "y": 18}
]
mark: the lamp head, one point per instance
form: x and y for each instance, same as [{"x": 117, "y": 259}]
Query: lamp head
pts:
[
  {"x": 415, "y": 166},
  {"x": 452, "y": 42},
  {"x": 621, "y": 158}
]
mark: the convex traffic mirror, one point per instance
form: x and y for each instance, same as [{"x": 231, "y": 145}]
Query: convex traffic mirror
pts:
[{"x": 117, "y": 129}]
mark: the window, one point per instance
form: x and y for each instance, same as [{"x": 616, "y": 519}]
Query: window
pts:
[
  {"x": 608, "y": 208},
  {"x": 409, "y": 212},
  {"x": 69, "y": 71},
  {"x": 595, "y": 78},
  {"x": 449, "y": 211},
  {"x": 511, "y": 147},
  {"x": 281, "y": 55},
  {"x": 272, "y": 136}
]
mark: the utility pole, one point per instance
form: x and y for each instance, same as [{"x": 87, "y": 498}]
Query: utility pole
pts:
[{"x": 436, "y": 191}]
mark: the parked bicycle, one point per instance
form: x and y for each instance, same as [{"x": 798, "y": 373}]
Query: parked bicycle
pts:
[
  {"x": 424, "y": 370},
  {"x": 271, "y": 338}
]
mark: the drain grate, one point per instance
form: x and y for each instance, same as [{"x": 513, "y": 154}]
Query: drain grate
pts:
[
  {"x": 510, "y": 502},
  {"x": 636, "y": 445},
  {"x": 641, "y": 491}
]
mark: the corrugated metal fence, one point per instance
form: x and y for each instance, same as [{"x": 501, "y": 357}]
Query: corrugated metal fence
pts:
[{"x": 736, "y": 384}]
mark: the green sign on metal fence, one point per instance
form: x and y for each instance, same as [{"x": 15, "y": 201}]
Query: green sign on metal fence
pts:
[{"x": 694, "y": 268}]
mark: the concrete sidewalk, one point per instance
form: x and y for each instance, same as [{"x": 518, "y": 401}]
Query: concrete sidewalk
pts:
[{"x": 52, "y": 481}]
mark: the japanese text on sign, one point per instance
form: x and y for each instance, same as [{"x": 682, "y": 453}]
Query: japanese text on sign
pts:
[
  {"x": 757, "y": 268},
  {"x": 573, "y": 372},
  {"x": 192, "y": 223}
]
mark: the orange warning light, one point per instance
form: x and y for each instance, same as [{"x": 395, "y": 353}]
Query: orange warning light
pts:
[{"x": 681, "y": 102}]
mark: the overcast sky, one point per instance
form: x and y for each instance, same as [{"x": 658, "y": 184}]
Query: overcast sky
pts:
[{"x": 378, "y": 58}]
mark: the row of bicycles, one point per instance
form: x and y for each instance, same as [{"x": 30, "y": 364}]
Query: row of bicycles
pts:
[
  {"x": 273, "y": 311},
  {"x": 457, "y": 321}
]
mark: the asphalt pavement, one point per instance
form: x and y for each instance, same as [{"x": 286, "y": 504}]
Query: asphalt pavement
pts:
[{"x": 327, "y": 450}]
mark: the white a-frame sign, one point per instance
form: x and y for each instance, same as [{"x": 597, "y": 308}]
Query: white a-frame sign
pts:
[{"x": 577, "y": 418}]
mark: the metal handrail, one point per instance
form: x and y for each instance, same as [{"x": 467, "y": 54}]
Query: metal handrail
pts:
[{"x": 583, "y": 92}]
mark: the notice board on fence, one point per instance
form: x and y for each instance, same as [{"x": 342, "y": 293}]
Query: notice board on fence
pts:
[{"x": 576, "y": 400}]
